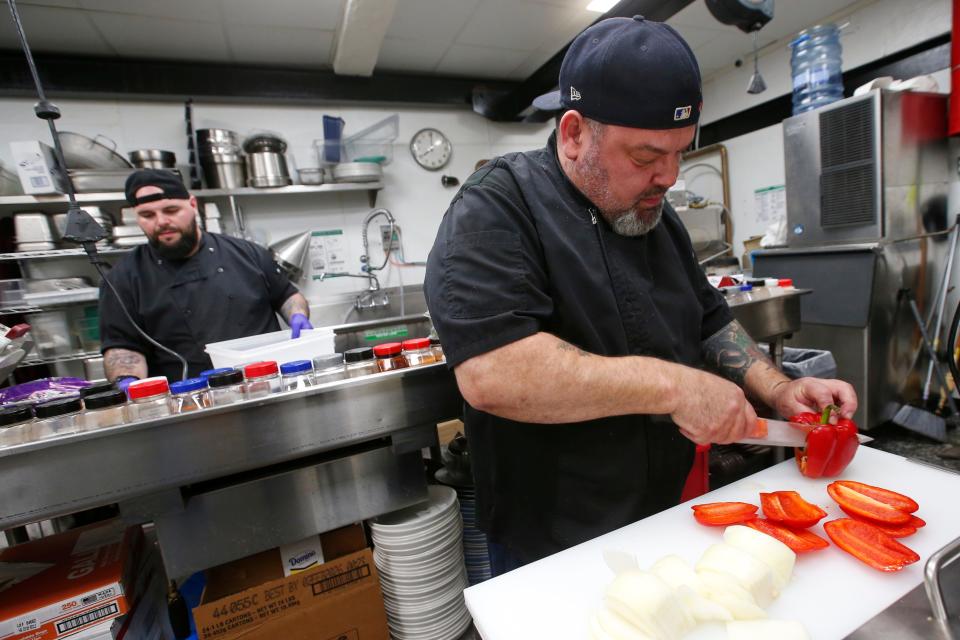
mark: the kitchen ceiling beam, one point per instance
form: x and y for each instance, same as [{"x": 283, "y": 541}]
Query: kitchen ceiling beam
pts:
[
  {"x": 71, "y": 76},
  {"x": 362, "y": 28},
  {"x": 513, "y": 104}
]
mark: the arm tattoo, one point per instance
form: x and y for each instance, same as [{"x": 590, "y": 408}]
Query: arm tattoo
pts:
[
  {"x": 294, "y": 304},
  {"x": 731, "y": 352},
  {"x": 566, "y": 346},
  {"x": 120, "y": 362}
]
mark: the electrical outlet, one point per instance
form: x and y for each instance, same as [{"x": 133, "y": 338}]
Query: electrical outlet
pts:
[{"x": 386, "y": 240}]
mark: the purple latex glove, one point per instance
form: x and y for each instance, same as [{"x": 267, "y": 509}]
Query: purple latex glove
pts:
[
  {"x": 123, "y": 382},
  {"x": 298, "y": 322}
]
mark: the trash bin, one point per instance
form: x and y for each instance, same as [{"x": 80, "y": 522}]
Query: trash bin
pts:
[{"x": 814, "y": 363}]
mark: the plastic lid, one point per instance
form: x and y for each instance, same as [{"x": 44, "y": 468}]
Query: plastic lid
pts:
[
  {"x": 416, "y": 343},
  {"x": 211, "y": 372},
  {"x": 358, "y": 355},
  {"x": 188, "y": 385},
  {"x": 297, "y": 366},
  {"x": 225, "y": 378},
  {"x": 329, "y": 361},
  {"x": 148, "y": 388},
  {"x": 434, "y": 341},
  {"x": 258, "y": 369},
  {"x": 100, "y": 387},
  {"x": 111, "y": 398},
  {"x": 58, "y": 407},
  {"x": 13, "y": 415},
  {"x": 746, "y": 287},
  {"x": 387, "y": 349},
  {"x": 785, "y": 282}
]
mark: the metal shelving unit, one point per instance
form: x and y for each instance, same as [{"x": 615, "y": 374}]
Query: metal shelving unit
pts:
[
  {"x": 83, "y": 355},
  {"x": 60, "y": 253}
]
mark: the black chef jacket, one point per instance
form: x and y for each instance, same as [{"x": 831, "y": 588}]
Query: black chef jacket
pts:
[
  {"x": 229, "y": 289},
  {"x": 519, "y": 251}
]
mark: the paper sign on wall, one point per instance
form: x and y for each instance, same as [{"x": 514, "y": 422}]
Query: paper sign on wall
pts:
[
  {"x": 327, "y": 252},
  {"x": 770, "y": 204}
]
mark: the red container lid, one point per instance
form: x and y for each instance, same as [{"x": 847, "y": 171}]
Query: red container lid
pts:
[
  {"x": 147, "y": 388},
  {"x": 388, "y": 349},
  {"x": 258, "y": 369},
  {"x": 416, "y": 343},
  {"x": 785, "y": 282}
]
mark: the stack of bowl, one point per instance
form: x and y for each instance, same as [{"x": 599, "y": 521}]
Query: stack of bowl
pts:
[{"x": 221, "y": 158}]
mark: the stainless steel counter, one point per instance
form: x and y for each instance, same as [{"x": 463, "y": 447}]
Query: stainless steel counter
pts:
[{"x": 234, "y": 480}]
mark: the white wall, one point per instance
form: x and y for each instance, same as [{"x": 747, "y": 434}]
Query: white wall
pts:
[
  {"x": 414, "y": 195},
  {"x": 877, "y": 29}
]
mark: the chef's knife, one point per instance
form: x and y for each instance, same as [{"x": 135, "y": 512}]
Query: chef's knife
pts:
[{"x": 783, "y": 434}]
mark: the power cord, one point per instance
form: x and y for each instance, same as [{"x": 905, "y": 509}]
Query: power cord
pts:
[{"x": 80, "y": 228}]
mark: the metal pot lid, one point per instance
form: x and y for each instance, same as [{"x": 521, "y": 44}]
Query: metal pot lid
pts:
[
  {"x": 264, "y": 143},
  {"x": 81, "y": 152}
]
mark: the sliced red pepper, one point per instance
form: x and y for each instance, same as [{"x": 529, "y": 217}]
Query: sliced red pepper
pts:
[
  {"x": 788, "y": 508},
  {"x": 829, "y": 447},
  {"x": 869, "y": 545},
  {"x": 864, "y": 506},
  {"x": 893, "y": 530},
  {"x": 799, "y": 540},
  {"x": 715, "y": 514},
  {"x": 892, "y": 498}
]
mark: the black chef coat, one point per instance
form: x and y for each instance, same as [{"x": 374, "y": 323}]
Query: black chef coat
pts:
[
  {"x": 519, "y": 251},
  {"x": 229, "y": 289}
]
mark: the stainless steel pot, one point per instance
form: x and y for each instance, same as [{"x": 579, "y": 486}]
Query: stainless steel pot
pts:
[
  {"x": 217, "y": 136},
  {"x": 268, "y": 169},
  {"x": 153, "y": 159},
  {"x": 224, "y": 171},
  {"x": 81, "y": 152},
  {"x": 264, "y": 143}
]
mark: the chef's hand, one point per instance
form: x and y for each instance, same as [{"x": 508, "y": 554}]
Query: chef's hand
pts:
[
  {"x": 813, "y": 394},
  {"x": 298, "y": 322},
  {"x": 712, "y": 409}
]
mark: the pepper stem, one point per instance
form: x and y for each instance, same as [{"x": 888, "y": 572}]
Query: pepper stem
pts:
[{"x": 826, "y": 411}]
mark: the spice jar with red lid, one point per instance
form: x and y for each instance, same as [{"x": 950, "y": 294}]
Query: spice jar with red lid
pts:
[
  {"x": 149, "y": 398},
  {"x": 417, "y": 351},
  {"x": 390, "y": 356}
]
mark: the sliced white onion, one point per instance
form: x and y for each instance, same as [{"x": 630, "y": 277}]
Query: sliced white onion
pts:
[
  {"x": 753, "y": 575},
  {"x": 723, "y": 589},
  {"x": 766, "y": 629},
  {"x": 778, "y": 556},
  {"x": 679, "y": 574},
  {"x": 649, "y": 604},
  {"x": 597, "y": 631}
]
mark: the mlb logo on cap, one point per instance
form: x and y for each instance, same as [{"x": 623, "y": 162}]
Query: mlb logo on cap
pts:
[{"x": 682, "y": 113}]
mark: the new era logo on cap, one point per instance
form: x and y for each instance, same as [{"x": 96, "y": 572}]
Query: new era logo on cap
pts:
[
  {"x": 574, "y": 94},
  {"x": 682, "y": 113}
]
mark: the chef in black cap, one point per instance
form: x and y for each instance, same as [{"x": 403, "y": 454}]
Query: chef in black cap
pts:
[
  {"x": 570, "y": 304},
  {"x": 187, "y": 288}
]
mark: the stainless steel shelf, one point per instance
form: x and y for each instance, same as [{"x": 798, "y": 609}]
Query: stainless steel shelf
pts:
[
  {"x": 60, "y": 253},
  {"x": 37, "y": 308},
  {"x": 297, "y": 189},
  {"x": 70, "y": 357}
]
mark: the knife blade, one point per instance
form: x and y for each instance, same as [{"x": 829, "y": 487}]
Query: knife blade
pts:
[{"x": 783, "y": 434}]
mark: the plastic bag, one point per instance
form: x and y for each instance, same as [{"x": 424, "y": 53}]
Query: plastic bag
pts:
[{"x": 43, "y": 389}]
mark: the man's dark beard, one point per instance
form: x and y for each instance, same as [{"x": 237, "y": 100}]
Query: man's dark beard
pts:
[{"x": 182, "y": 248}]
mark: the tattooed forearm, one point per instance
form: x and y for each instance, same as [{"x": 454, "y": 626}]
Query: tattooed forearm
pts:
[
  {"x": 294, "y": 304},
  {"x": 731, "y": 352},
  {"x": 566, "y": 346},
  {"x": 124, "y": 362}
]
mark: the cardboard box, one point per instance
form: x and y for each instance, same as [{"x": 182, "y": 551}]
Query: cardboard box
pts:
[
  {"x": 251, "y": 600},
  {"x": 37, "y": 167},
  {"x": 75, "y": 581}
]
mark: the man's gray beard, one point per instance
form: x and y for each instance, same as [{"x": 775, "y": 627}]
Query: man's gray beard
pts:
[{"x": 631, "y": 222}]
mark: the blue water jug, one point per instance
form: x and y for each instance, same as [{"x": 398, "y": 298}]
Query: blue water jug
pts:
[{"x": 815, "y": 62}]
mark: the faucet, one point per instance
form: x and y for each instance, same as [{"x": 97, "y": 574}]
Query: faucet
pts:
[{"x": 373, "y": 297}]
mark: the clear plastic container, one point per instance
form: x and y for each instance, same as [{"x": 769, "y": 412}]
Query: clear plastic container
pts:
[
  {"x": 418, "y": 352},
  {"x": 57, "y": 417},
  {"x": 360, "y": 362},
  {"x": 263, "y": 378},
  {"x": 375, "y": 143},
  {"x": 296, "y": 375},
  {"x": 390, "y": 356},
  {"x": 15, "y": 423},
  {"x": 226, "y": 387},
  {"x": 149, "y": 398},
  {"x": 328, "y": 368},
  {"x": 437, "y": 350},
  {"x": 105, "y": 409},
  {"x": 815, "y": 63},
  {"x": 189, "y": 395}
]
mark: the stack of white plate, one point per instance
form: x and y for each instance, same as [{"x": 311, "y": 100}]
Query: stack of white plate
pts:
[
  {"x": 419, "y": 554},
  {"x": 475, "y": 551}
]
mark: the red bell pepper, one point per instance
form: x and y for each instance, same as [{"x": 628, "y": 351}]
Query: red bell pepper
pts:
[
  {"x": 799, "y": 540},
  {"x": 892, "y": 498},
  {"x": 788, "y": 508},
  {"x": 893, "y": 530},
  {"x": 829, "y": 447},
  {"x": 863, "y": 501},
  {"x": 716, "y": 514},
  {"x": 869, "y": 544}
]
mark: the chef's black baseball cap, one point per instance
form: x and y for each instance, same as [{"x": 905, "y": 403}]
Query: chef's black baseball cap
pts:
[
  {"x": 630, "y": 72},
  {"x": 171, "y": 186}
]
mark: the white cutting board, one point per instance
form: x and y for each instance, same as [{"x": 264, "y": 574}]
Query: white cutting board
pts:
[{"x": 831, "y": 592}]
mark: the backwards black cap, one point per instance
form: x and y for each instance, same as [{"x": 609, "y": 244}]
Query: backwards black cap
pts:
[
  {"x": 170, "y": 183},
  {"x": 630, "y": 72}
]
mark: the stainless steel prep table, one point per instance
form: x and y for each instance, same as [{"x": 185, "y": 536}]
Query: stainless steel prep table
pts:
[{"x": 230, "y": 481}]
